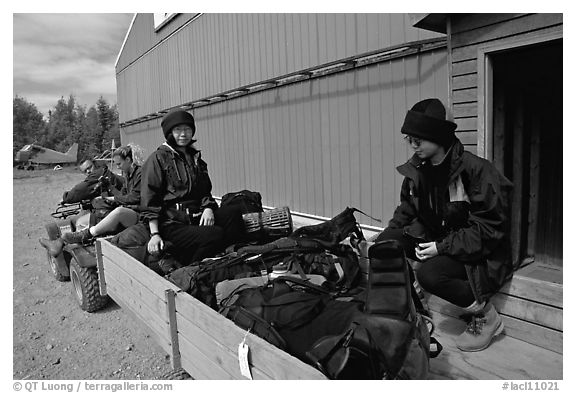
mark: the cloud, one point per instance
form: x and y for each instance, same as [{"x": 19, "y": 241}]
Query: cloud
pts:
[{"x": 56, "y": 55}]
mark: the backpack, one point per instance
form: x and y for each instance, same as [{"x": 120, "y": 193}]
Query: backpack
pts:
[{"x": 247, "y": 201}]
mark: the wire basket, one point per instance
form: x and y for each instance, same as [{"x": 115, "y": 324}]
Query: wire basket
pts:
[{"x": 269, "y": 225}]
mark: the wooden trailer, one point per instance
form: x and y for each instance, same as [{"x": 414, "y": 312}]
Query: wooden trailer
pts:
[
  {"x": 205, "y": 344},
  {"x": 196, "y": 337}
]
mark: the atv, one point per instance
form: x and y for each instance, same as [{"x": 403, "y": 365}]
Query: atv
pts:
[{"x": 74, "y": 262}]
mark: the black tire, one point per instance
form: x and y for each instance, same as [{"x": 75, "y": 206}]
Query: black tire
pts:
[
  {"x": 178, "y": 374},
  {"x": 85, "y": 287},
  {"x": 52, "y": 262}
]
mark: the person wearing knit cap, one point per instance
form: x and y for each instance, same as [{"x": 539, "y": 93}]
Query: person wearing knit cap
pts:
[
  {"x": 453, "y": 218},
  {"x": 177, "y": 202}
]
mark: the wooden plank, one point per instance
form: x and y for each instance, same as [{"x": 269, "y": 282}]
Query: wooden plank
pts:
[
  {"x": 470, "y": 52},
  {"x": 518, "y": 308},
  {"x": 100, "y": 265},
  {"x": 505, "y": 29},
  {"x": 534, "y": 334},
  {"x": 466, "y": 22},
  {"x": 198, "y": 365},
  {"x": 464, "y": 53},
  {"x": 528, "y": 311},
  {"x": 542, "y": 336},
  {"x": 465, "y": 95},
  {"x": 542, "y": 271},
  {"x": 534, "y": 289},
  {"x": 173, "y": 327},
  {"x": 465, "y": 110},
  {"x": 506, "y": 358},
  {"x": 135, "y": 289},
  {"x": 518, "y": 169},
  {"x": 468, "y": 81},
  {"x": 465, "y": 67},
  {"x": 271, "y": 360},
  {"x": 137, "y": 270},
  {"x": 467, "y": 123},
  {"x": 213, "y": 351},
  {"x": 468, "y": 138},
  {"x": 534, "y": 181}
]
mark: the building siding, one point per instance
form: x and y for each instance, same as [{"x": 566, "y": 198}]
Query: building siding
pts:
[
  {"x": 317, "y": 145},
  {"x": 468, "y": 33},
  {"x": 219, "y": 52}
]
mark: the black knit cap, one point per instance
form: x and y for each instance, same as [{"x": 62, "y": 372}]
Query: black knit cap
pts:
[
  {"x": 175, "y": 118},
  {"x": 427, "y": 120}
]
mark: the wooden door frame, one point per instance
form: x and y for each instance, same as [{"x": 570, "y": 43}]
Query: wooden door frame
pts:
[{"x": 485, "y": 80}]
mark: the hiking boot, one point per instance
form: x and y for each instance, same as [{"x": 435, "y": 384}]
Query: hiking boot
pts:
[
  {"x": 481, "y": 329},
  {"x": 81, "y": 237},
  {"x": 54, "y": 247}
]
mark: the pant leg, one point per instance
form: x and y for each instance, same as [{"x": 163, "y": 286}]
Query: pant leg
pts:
[
  {"x": 229, "y": 218},
  {"x": 191, "y": 243},
  {"x": 446, "y": 278}
]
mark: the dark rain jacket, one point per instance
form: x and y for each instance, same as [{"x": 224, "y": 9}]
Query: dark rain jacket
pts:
[
  {"x": 129, "y": 195},
  {"x": 169, "y": 180},
  {"x": 475, "y": 226},
  {"x": 91, "y": 187}
]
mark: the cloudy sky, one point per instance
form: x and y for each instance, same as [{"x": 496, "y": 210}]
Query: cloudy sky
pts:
[{"x": 56, "y": 55}]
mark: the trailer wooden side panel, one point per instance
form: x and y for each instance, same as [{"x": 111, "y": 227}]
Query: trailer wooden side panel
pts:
[{"x": 197, "y": 338}]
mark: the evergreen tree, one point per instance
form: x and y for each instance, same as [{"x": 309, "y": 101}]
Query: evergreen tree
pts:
[{"x": 27, "y": 124}]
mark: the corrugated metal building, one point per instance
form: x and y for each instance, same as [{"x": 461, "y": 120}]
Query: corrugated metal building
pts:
[{"x": 305, "y": 108}]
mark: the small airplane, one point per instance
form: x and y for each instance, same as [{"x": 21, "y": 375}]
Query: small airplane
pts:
[{"x": 31, "y": 156}]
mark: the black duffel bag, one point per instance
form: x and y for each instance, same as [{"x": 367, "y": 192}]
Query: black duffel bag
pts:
[{"x": 247, "y": 201}]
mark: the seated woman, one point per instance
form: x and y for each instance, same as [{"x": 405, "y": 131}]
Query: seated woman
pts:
[
  {"x": 177, "y": 203},
  {"x": 126, "y": 200}
]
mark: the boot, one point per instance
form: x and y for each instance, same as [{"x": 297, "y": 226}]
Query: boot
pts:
[
  {"x": 481, "y": 329},
  {"x": 77, "y": 237},
  {"x": 54, "y": 247}
]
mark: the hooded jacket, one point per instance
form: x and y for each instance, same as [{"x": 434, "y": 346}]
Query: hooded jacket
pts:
[
  {"x": 169, "y": 179},
  {"x": 475, "y": 225},
  {"x": 91, "y": 187},
  {"x": 129, "y": 195}
]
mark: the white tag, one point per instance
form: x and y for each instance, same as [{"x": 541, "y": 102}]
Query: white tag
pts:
[{"x": 243, "y": 350}]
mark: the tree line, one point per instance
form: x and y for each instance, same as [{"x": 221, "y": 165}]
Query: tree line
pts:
[{"x": 68, "y": 122}]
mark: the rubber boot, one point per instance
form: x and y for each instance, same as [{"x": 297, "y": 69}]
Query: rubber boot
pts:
[
  {"x": 482, "y": 328},
  {"x": 54, "y": 247}
]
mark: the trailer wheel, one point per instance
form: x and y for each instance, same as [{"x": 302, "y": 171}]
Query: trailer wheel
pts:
[
  {"x": 178, "y": 374},
  {"x": 53, "y": 262},
  {"x": 85, "y": 288}
]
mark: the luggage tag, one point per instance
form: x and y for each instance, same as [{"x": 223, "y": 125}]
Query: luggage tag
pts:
[{"x": 243, "y": 351}]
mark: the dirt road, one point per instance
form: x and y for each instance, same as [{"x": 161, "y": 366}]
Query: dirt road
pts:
[{"x": 52, "y": 337}]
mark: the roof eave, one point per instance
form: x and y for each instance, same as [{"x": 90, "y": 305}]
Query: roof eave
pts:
[{"x": 432, "y": 22}]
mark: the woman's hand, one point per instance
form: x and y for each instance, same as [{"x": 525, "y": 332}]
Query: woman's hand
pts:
[
  {"x": 155, "y": 244},
  {"x": 426, "y": 251},
  {"x": 207, "y": 217}
]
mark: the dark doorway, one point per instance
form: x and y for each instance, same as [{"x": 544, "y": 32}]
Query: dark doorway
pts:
[{"x": 527, "y": 133}]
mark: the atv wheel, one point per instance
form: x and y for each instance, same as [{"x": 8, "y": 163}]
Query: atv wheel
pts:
[
  {"x": 178, "y": 374},
  {"x": 53, "y": 262},
  {"x": 85, "y": 288}
]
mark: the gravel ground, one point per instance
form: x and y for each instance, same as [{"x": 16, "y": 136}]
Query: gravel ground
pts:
[{"x": 52, "y": 337}]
